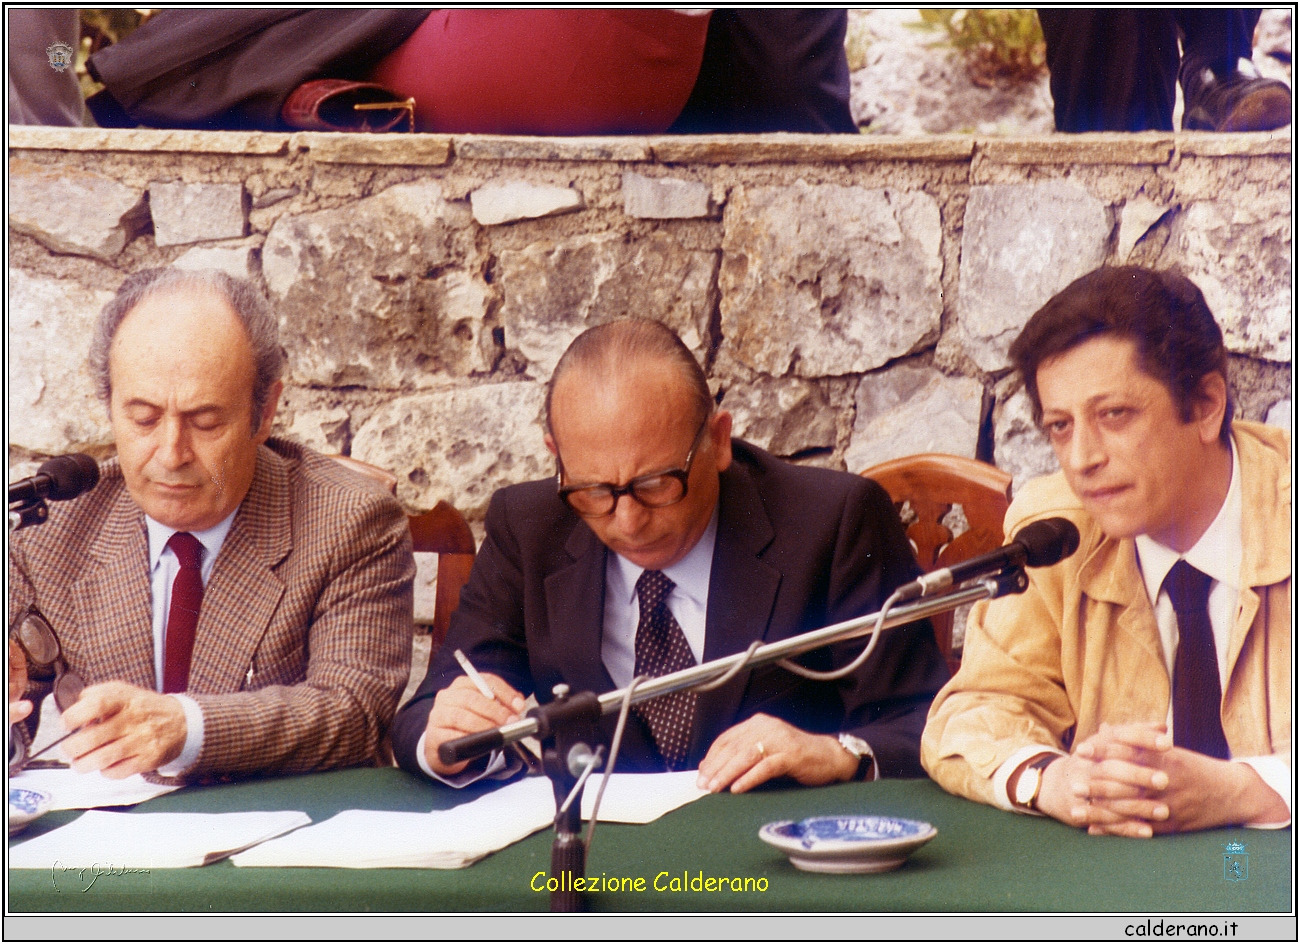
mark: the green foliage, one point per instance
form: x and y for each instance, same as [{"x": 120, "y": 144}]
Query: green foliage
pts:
[
  {"x": 857, "y": 41},
  {"x": 1004, "y": 45}
]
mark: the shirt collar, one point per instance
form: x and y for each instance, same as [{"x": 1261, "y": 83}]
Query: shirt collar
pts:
[
  {"x": 211, "y": 539},
  {"x": 690, "y": 574},
  {"x": 1218, "y": 552}
]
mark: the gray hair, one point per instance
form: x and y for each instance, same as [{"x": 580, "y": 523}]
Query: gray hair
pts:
[
  {"x": 609, "y": 348},
  {"x": 248, "y": 304}
]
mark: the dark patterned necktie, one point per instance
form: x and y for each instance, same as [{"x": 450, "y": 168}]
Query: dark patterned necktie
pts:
[
  {"x": 661, "y": 648},
  {"x": 1197, "y": 693},
  {"x": 183, "y": 615}
]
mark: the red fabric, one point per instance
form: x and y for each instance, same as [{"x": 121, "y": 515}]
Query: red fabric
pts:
[
  {"x": 183, "y": 615},
  {"x": 548, "y": 72}
]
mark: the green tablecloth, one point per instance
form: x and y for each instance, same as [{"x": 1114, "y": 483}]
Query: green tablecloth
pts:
[{"x": 982, "y": 860}]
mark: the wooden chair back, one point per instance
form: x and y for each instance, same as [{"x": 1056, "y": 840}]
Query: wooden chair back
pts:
[
  {"x": 443, "y": 531},
  {"x": 932, "y": 483}
]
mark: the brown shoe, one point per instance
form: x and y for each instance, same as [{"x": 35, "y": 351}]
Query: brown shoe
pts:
[{"x": 1236, "y": 101}]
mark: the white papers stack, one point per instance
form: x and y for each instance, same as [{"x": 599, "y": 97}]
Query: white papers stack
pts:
[
  {"x": 460, "y": 836},
  {"x": 443, "y": 839},
  {"x": 73, "y": 791},
  {"x": 150, "y": 840}
]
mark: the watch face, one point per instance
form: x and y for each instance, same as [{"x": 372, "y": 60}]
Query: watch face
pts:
[{"x": 1027, "y": 786}]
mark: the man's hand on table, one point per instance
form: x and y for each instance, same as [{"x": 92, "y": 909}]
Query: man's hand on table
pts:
[
  {"x": 128, "y": 730},
  {"x": 19, "y": 707},
  {"x": 763, "y": 747},
  {"x": 1129, "y": 780},
  {"x": 461, "y": 709}
]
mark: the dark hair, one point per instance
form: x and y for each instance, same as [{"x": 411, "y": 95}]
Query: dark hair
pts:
[
  {"x": 609, "y": 348},
  {"x": 1163, "y": 313},
  {"x": 248, "y": 304}
]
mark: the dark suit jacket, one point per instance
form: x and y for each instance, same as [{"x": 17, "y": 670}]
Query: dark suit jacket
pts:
[
  {"x": 797, "y": 549},
  {"x": 311, "y": 594}
]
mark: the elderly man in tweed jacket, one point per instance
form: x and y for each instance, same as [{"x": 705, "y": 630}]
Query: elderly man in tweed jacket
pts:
[{"x": 301, "y": 645}]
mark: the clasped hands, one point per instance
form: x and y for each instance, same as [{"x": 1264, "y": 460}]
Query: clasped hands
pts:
[
  {"x": 124, "y": 729},
  {"x": 743, "y": 756},
  {"x": 1130, "y": 780}
]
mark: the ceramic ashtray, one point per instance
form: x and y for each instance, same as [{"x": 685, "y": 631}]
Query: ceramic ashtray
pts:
[
  {"x": 25, "y": 806},
  {"x": 848, "y": 843}
]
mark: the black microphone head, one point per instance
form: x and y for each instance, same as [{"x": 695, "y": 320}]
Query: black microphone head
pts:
[
  {"x": 1048, "y": 541},
  {"x": 70, "y": 475}
]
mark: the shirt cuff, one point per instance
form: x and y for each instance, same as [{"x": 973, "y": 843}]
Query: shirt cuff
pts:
[
  {"x": 1003, "y": 774},
  {"x": 1277, "y": 775},
  {"x": 498, "y": 768},
  {"x": 193, "y": 738}
]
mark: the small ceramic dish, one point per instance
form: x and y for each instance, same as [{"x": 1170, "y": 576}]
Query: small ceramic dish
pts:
[
  {"x": 848, "y": 843},
  {"x": 25, "y": 806}
]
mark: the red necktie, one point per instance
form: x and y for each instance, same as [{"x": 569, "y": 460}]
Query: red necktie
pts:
[
  {"x": 1197, "y": 692},
  {"x": 661, "y": 647},
  {"x": 183, "y": 617}
]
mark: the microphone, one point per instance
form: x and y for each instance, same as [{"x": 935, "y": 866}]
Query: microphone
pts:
[
  {"x": 1039, "y": 544},
  {"x": 59, "y": 479}
]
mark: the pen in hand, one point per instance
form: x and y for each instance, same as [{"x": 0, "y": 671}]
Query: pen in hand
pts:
[{"x": 528, "y": 757}]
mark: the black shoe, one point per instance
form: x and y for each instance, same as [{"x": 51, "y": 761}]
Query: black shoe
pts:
[{"x": 1235, "y": 101}]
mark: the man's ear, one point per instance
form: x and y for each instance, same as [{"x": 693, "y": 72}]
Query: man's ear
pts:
[
  {"x": 1211, "y": 403},
  {"x": 720, "y": 434},
  {"x": 268, "y": 412},
  {"x": 550, "y": 445}
]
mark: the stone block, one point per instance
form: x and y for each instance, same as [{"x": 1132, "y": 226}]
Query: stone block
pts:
[
  {"x": 1238, "y": 252},
  {"x": 53, "y": 407},
  {"x": 426, "y": 588},
  {"x": 325, "y": 430},
  {"x": 491, "y": 147},
  {"x": 1135, "y": 220},
  {"x": 71, "y": 210},
  {"x": 829, "y": 280},
  {"x": 233, "y": 260},
  {"x": 793, "y": 148},
  {"x": 553, "y": 292},
  {"x": 440, "y": 445},
  {"x": 1019, "y": 446},
  {"x": 149, "y": 140},
  {"x": 663, "y": 198},
  {"x": 333, "y": 147},
  {"x": 912, "y": 408},
  {"x": 1279, "y": 415},
  {"x": 375, "y": 293},
  {"x": 494, "y": 204},
  {"x": 1020, "y": 245},
  {"x": 195, "y": 213},
  {"x": 785, "y": 416}
]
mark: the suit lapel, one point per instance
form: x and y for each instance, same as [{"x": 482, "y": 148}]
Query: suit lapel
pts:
[
  {"x": 244, "y": 590},
  {"x": 112, "y": 600},
  {"x": 742, "y": 591},
  {"x": 575, "y": 613}
]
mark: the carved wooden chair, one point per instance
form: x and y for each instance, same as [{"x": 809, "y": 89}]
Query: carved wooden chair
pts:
[
  {"x": 931, "y": 484},
  {"x": 442, "y": 531}
]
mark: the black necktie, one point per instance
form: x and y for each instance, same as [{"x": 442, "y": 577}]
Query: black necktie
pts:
[
  {"x": 1197, "y": 694},
  {"x": 661, "y": 648}
]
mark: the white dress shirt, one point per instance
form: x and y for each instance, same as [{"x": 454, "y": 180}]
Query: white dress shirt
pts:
[
  {"x": 1217, "y": 554},
  {"x": 163, "y": 567}
]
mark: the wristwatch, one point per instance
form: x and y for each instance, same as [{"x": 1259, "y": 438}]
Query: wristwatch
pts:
[
  {"x": 1030, "y": 783},
  {"x": 862, "y": 751}
]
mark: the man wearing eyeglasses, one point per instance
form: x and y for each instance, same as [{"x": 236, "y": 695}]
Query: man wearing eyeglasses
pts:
[{"x": 663, "y": 543}]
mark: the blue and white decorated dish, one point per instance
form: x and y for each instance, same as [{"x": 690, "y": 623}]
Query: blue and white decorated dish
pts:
[
  {"x": 25, "y": 806},
  {"x": 848, "y": 843}
]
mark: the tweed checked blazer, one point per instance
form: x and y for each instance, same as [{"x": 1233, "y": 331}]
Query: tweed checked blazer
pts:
[
  {"x": 303, "y": 644},
  {"x": 797, "y": 548}
]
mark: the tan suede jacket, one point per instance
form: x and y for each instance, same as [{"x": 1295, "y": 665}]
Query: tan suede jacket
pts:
[{"x": 1080, "y": 646}]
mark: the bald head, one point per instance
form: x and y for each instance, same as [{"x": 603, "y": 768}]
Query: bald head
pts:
[{"x": 603, "y": 354}]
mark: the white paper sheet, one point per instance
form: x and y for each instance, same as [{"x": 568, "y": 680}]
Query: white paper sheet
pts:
[
  {"x": 150, "y": 840},
  {"x": 460, "y": 836},
  {"x": 74, "y": 791}
]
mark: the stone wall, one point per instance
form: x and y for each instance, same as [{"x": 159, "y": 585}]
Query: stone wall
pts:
[{"x": 851, "y": 298}]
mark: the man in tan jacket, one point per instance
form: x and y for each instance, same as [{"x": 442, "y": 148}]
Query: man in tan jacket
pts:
[{"x": 1143, "y": 685}]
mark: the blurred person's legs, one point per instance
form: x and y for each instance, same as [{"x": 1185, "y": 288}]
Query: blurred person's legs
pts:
[
  {"x": 40, "y": 94},
  {"x": 1116, "y": 69},
  {"x": 771, "y": 70}
]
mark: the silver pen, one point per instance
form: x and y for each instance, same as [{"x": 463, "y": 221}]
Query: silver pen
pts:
[{"x": 528, "y": 757}]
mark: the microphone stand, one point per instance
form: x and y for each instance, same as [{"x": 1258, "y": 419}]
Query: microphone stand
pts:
[
  {"x": 566, "y": 726},
  {"x": 23, "y": 514}
]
